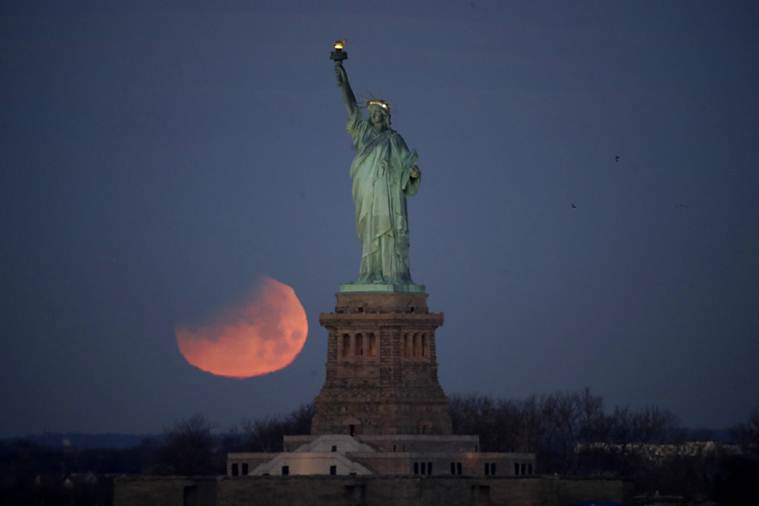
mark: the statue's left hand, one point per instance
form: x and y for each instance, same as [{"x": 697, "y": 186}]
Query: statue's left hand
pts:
[{"x": 415, "y": 172}]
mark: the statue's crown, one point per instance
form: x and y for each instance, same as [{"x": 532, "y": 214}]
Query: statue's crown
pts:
[{"x": 379, "y": 103}]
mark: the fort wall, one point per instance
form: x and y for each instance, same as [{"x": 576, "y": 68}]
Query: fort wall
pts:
[{"x": 364, "y": 491}]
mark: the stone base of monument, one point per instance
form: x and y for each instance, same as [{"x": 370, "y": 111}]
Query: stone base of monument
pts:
[
  {"x": 381, "y": 367},
  {"x": 381, "y": 410},
  {"x": 383, "y": 455}
]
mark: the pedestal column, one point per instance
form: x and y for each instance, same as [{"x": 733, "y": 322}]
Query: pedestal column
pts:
[{"x": 381, "y": 367}]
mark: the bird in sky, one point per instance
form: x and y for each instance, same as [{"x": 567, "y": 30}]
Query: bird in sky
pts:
[{"x": 616, "y": 158}]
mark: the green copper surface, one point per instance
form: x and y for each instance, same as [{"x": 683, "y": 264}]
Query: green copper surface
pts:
[
  {"x": 381, "y": 287},
  {"x": 383, "y": 173}
]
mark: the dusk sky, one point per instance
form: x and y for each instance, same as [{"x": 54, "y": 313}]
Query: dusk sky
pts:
[{"x": 160, "y": 157}]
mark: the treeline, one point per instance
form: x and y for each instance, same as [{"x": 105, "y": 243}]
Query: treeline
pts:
[
  {"x": 31, "y": 473},
  {"x": 555, "y": 426},
  {"x": 571, "y": 433},
  {"x": 191, "y": 447}
]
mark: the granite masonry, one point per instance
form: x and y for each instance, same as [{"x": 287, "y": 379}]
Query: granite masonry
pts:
[{"x": 381, "y": 410}]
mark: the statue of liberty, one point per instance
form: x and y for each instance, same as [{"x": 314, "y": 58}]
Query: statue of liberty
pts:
[{"x": 383, "y": 173}]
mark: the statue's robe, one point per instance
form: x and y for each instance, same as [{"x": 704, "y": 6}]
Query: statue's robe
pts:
[{"x": 381, "y": 175}]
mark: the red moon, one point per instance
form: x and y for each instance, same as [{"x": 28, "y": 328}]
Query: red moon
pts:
[{"x": 262, "y": 335}]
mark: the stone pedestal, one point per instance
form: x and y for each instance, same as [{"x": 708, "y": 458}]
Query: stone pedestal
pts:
[{"x": 381, "y": 367}]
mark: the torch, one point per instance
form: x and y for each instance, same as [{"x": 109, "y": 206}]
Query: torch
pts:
[{"x": 339, "y": 54}]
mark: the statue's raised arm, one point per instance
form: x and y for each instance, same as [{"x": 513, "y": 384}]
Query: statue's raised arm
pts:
[
  {"x": 349, "y": 99},
  {"x": 383, "y": 174}
]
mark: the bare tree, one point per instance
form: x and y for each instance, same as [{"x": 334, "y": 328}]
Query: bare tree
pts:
[
  {"x": 187, "y": 447},
  {"x": 560, "y": 428},
  {"x": 265, "y": 434},
  {"x": 747, "y": 434}
]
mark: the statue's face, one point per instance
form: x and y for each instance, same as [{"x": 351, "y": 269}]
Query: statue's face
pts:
[{"x": 378, "y": 117}]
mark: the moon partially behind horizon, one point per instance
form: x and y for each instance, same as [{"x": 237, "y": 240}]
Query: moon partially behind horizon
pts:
[{"x": 263, "y": 334}]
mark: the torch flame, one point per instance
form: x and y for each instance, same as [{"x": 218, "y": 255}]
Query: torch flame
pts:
[{"x": 339, "y": 45}]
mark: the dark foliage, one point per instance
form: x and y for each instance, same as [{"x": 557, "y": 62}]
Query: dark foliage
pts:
[
  {"x": 35, "y": 473},
  {"x": 553, "y": 426},
  {"x": 747, "y": 434},
  {"x": 265, "y": 435},
  {"x": 572, "y": 434},
  {"x": 187, "y": 448}
]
